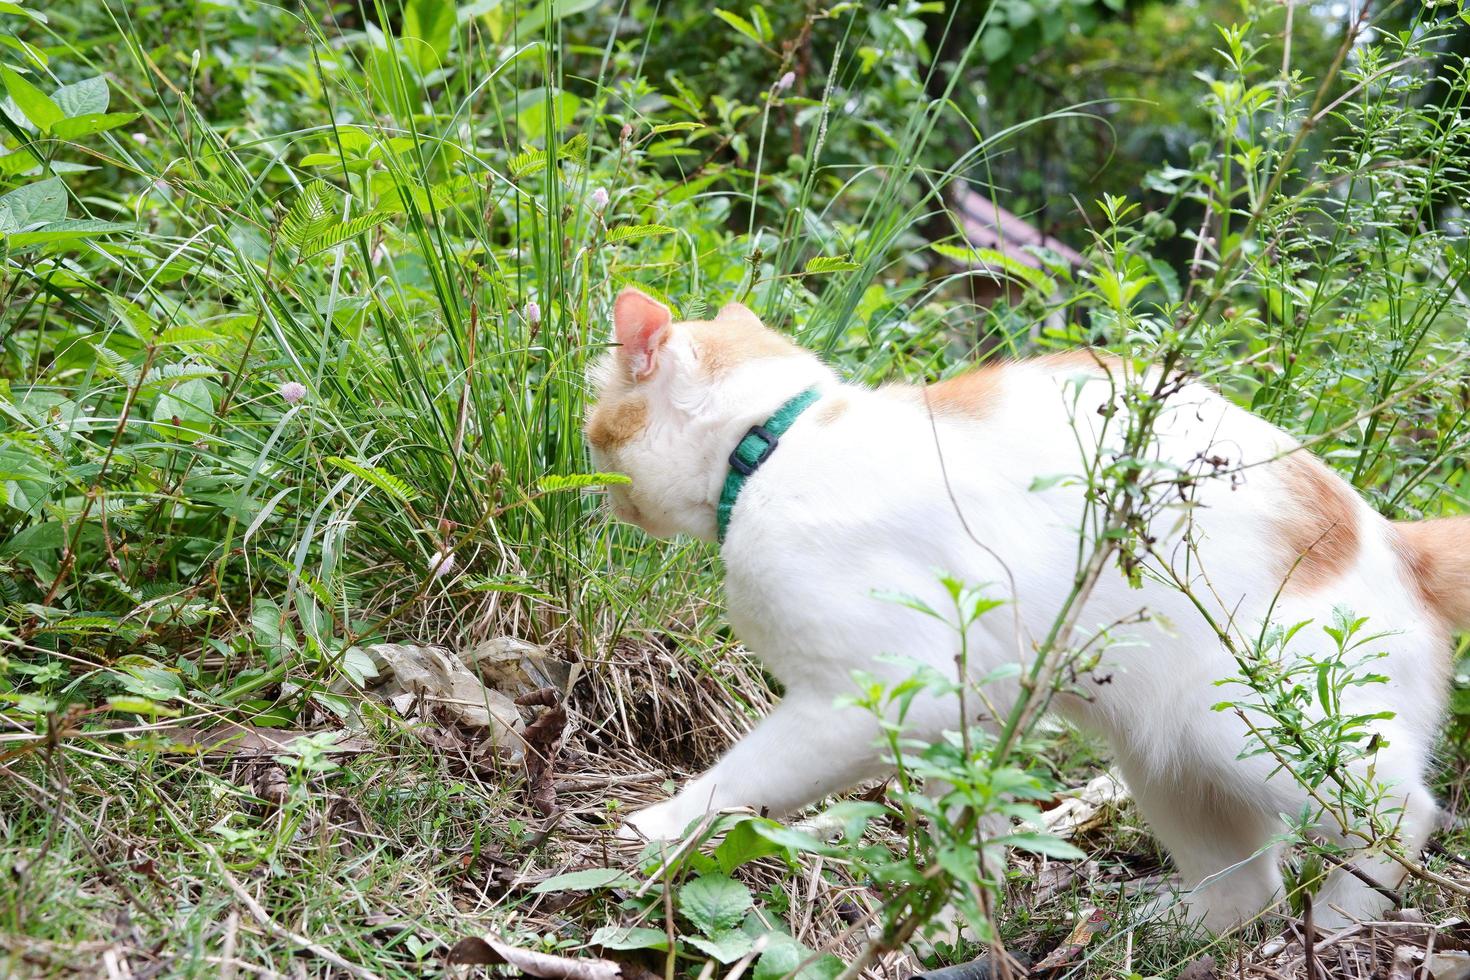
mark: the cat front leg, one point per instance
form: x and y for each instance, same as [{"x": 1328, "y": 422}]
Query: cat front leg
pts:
[{"x": 805, "y": 749}]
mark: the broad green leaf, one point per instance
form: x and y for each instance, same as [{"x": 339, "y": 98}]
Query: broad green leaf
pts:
[
  {"x": 151, "y": 682},
  {"x": 630, "y": 937},
  {"x": 553, "y": 10},
  {"x": 93, "y": 122},
  {"x": 727, "y": 946},
  {"x": 87, "y": 97},
  {"x": 784, "y": 955},
  {"x": 14, "y": 8},
  {"x": 1040, "y": 843},
  {"x": 35, "y": 204},
  {"x": 67, "y": 229},
  {"x": 743, "y": 845},
  {"x": 35, "y": 104},
  {"x": 136, "y": 705},
  {"x": 186, "y": 408},
  {"x": 589, "y": 879},
  {"x": 18, "y": 161},
  {"x": 428, "y": 26},
  {"x": 537, "y": 117},
  {"x": 740, "y": 24},
  {"x": 714, "y": 903},
  {"x": 36, "y": 539},
  {"x": 995, "y": 43}
]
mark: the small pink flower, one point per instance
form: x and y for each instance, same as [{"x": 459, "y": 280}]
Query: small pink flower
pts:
[
  {"x": 293, "y": 392},
  {"x": 441, "y": 564},
  {"x": 533, "y": 313},
  {"x": 599, "y": 199},
  {"x": 786, "y": 81}
]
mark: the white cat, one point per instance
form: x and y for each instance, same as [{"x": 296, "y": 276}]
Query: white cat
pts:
[{"x": 866, "y": 490}]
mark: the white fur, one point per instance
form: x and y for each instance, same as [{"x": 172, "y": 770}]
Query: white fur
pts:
[{"x": 866, "y": 503}]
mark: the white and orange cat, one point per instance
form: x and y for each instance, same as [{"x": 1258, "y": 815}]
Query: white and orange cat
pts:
[{"x": 873, "y": 491}]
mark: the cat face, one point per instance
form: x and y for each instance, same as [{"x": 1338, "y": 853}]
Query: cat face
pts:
[{"x": 673, "y": 399}]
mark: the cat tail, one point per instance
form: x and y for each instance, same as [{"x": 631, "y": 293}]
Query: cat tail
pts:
[{"x": 1437, "y": 555}]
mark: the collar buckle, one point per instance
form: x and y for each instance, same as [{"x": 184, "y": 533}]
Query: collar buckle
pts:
[{"x": 764, "y": 435}]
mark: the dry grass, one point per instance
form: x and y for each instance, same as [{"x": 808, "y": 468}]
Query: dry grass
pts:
[{"x": 122, "y": 857}]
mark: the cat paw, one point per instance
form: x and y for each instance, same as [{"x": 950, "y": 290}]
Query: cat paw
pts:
[{"x": 661, "y": 821}]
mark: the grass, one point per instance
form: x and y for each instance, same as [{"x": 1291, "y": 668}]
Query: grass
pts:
[{"x": 397, "y": 212}]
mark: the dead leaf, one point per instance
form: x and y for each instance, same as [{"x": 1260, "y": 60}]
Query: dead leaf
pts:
[
  {"x": 268, "y": 782},
  {"x": 543, "y": 737},
  {"x": 517, "y": 667},
  {"x": 1091, "y": 924},
  {"x": 1449, "y": 965},
  {"x": 248, "y": 740},
  {"x": 1086, "y": 809},
  {"x": 490, "y": 949},
  {"x": 1201, "y": 969},
  {"x": 1403, "y": 963},
  {"x": 433, "y": 683}
]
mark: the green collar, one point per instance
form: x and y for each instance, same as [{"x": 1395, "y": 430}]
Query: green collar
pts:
[{"x": 754, "y": 448}]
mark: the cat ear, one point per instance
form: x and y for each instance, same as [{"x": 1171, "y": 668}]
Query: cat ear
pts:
[{"x": 641, "y": 327}]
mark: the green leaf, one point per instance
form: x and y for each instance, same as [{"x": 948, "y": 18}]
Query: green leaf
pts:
[
  {"x": 630, "y": 937},
  {"x": 995, "y": 43},
  {"x": 784, "y": 955},
  {"x": 18, "y": 161},
  {"x": 629, "y": 233},
  {"x": 35, "y": 204},
  {"x": 1040, "y": 843},
  {"x": 822, "y": 264},
  {"x": 540, "y": 118},
  {"x": 739, "y": 23},
  {"x": 151, "y": 682},
  {"x": 344, "y": 231},
  {"x": 388, "y": 483},
  {"x": 93, "y": 122},
  {"x": 714, "y": 903},
  {"x": 133, "y": 704},
  {"x": 554, "y": 482},
  {"x": 314, "y": 211},
  {"x": 727, "y": 946},
  {"x": 743, "y": 845},
  {"x": 589, "y": 879},
  {"x": 995, "y": 262},
  {"x": 429, "y": 26},
  {"x": 188, "y": 406},
  {"x": 66, "y": 230},
  {"x": 37, "y": 105},
  {"x": 84, "y": 98}
]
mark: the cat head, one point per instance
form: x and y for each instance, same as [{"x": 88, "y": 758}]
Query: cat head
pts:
[{"x": 673, "y": 399}]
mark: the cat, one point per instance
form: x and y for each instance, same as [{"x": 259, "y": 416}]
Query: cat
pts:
[{"x": 879, "y": 490}]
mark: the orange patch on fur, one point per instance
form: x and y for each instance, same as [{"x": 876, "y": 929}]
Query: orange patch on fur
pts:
[
  {"x": 730, "y": 341},
  {"x": 615, "y": 422},
  {"x": 1436, "y": 554},
  {"x": 1320, "y": 527},
  {"x": 831, "y": 411},
  {"x": 973, "y": 394}
]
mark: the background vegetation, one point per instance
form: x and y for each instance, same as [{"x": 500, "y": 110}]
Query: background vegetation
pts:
[{"x": 297, "y": 306}]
